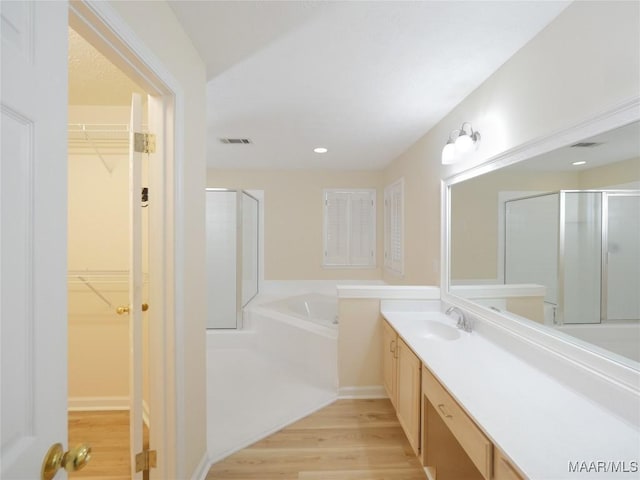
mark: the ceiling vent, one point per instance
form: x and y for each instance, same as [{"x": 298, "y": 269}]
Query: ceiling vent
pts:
[
  {"x": 586, "y": 145},
  {"x": 236, "y": 141}
]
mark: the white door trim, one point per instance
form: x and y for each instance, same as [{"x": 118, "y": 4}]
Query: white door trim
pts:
[{"x": 97, "y": 22}]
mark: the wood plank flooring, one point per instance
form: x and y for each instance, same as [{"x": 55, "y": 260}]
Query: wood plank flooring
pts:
[
  {"x": 348, "y": 440},
  {"x": 107, "y": 432}
]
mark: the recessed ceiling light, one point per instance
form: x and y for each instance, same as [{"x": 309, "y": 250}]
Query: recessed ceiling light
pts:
[
  {"x": 581, "y": 162},
  {"x": 320, "y": 150}
]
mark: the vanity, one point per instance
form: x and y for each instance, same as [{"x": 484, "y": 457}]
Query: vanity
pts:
[
  {"x": 473, "y": 406},
  {"x": 541, "y": 255}
]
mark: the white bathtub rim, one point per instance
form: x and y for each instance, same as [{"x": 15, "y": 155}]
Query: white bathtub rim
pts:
[{"x": 297, "y": 322}]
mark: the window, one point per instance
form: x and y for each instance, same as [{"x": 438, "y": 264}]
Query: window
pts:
[
  {"x": 394, "y": 227},
  {"x": 349, "y": 228}
]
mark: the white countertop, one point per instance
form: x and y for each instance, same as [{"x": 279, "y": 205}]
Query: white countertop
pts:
[{"x": 539, "y": 423}]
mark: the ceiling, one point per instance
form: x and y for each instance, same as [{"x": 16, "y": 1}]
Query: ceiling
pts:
[
  {"x": 94, "y": 80},
  {"x": 363, "y": 79},
  {"x": 614, "y": 146}
]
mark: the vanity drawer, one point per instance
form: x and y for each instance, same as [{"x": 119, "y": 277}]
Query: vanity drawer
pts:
[{"x": 473, "y": 441}]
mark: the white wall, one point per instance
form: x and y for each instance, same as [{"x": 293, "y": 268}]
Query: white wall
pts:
[{"x": 156, "y": 26}]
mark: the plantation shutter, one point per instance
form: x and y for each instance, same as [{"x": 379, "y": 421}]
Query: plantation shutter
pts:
[
  {"x": 393, "y": 228},
  {"x": 349, "y": 228},
  {"x": 336, "y": 219},
  {"x": 361, "y": 246}
]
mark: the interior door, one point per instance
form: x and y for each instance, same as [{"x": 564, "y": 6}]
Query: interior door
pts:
[
  {"x": 135, "y": 286},
  {"x": 33, "y": 245}
]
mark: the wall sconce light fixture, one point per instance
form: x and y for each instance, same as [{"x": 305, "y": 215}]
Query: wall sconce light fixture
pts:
[{"x": 460, "y": 142}]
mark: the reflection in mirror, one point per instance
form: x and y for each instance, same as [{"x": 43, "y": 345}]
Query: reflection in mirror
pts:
[{"x": 556, "y": 239}]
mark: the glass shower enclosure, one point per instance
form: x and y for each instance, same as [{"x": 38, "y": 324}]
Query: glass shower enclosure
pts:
[
  {"x": 232, "y": 255},
  {"x": 583, "y": 246}
]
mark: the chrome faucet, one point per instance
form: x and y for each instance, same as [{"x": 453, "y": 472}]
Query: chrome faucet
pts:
[{"x": 463, "y": 322}]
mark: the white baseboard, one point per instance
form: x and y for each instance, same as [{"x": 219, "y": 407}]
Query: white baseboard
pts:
[
  {"x": 86, "y": 404},
  {"x": 203, "y": 467},
  {"x": 369, "y": 391}
]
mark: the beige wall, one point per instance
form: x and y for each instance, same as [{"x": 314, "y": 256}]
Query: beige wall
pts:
[
  {"x": 584, "y": 62},
  {"x": 620, "y": 173},
  {"x": 359, "y": 343},
  {"x": 293, "y": 216},
  {"x": 156, "y": 26}
]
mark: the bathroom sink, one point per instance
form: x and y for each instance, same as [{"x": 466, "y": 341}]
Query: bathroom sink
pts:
[{"x": 438, "y": 330}]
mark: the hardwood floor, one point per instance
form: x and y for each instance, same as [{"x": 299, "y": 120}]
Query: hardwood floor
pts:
[
  {"x": 348, "y": 440},
  {"x": 107, "y": 432}
]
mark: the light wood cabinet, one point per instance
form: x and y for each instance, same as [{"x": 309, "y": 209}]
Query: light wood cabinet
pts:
[
  {"x": 401, "y": 373},
  {"x": 451, "y": 445},
  {"x": 503, "y": 469},
  {"x": 408, "y": 389},
  {"x": 389, "y": 361},
  {"x": 476, "y": 447}
]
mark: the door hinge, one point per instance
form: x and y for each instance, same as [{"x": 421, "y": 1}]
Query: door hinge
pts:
[
  {"x": 144, "y": 142},
  {"x": 146, "y": 460}
]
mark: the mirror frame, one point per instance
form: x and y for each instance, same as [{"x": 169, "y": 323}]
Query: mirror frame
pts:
[{"x": 597, "y": 361}]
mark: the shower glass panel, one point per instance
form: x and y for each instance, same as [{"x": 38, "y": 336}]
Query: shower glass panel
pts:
[
  {"x": 623, "y": 257},
  {"x": 232, "y": 256},
  {"x": 531, "y": 242},
  {"x": 221, "y": 258},
  {"x": 582, "y": 256}
]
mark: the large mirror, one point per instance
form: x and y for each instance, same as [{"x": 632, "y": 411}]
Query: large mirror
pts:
[{"x": 556, "y": 239}]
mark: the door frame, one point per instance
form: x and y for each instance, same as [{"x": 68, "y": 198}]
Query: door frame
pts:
[{"x": 99, "y": 24}]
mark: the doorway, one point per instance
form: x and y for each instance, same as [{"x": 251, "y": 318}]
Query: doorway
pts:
[{"x": 99, "y": 226}]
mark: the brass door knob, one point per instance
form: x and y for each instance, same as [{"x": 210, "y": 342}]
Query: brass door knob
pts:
[
  {"x": 57, "y": 458},
  {"x": 122, "y": 309}
]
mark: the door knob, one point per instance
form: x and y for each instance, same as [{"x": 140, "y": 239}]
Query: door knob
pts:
[
  {"x": 122, "y": 309},
  {"x": 56, "y": 458}
]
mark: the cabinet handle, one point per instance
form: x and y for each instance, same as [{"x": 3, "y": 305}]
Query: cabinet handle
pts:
[
  {"x": 392, "y": 347},
  {"x": 444, "y": 411}
]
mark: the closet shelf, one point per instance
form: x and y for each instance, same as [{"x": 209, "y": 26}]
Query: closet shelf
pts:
[{"x": 101, "y": 276}]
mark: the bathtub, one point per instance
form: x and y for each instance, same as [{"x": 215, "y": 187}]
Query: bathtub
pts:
[
  {"x": 282, "y": 366},
  {"x": 309, "y": 311},
  {"x": 302, "y": 331},
  {"x": 621, "y": 338}
]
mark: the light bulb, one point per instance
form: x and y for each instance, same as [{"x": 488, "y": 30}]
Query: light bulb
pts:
[
  {"x": 464, "y": 143},
  {"x": 448, "y": 154}
]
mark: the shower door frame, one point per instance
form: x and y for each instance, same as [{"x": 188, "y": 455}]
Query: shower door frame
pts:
[
  {"x": 239, "y": 247},
  {"x": 559, "y": 314}
]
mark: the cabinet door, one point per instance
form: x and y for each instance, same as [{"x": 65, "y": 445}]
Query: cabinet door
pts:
[
  {"x": 408, "y": 387},
  {"x": 503, "y": 469},
  {"x": 389, "y": 362}
]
